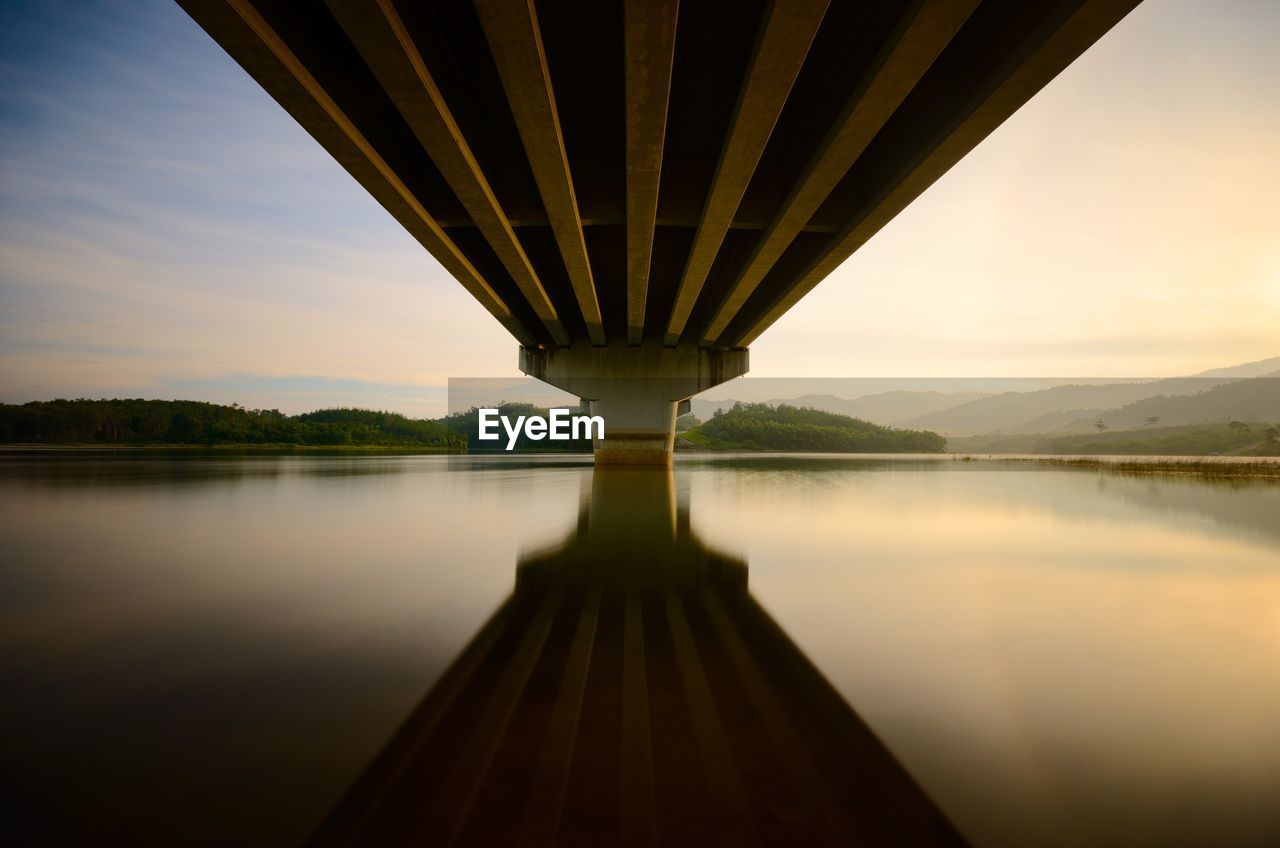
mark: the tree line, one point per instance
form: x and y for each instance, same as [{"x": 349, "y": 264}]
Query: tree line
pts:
[
  {"x": 751, "y": 427},
  {"x": 761, "y": 427},
  {"x": 189, "y": 422}
]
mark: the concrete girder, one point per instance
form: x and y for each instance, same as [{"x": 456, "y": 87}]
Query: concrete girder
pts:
[
  {"x": 736, "y": 119},
  {"x": 781, "y": 46},
  {"x": 1013, "y": 84},
  {"x": 377, "y": 31},
  {"x": 925, "y": 30},
  {"x": 241, "y": 28},
  {"x": 649, "y": 43},
  {"x": 511, "y": 28}
]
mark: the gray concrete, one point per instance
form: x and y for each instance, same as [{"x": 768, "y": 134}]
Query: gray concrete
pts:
[{"x": 635, "y": 389}]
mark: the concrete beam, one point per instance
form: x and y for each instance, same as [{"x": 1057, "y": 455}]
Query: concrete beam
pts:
[
  {"x": 241, "y": 29},
  {"x": 649, "y": 41},
  {"x": 635, "y": 388},
  {"x": 738, "y": 223},
  {"x": 378, "y": 33},
  {"x": 925, "y": 30},
  {"x": 1028, "y": 75},
  {"x": 511, "y": 29},
  {"x": 355, "y": 81},
  {"x": 785, "y": 34}
]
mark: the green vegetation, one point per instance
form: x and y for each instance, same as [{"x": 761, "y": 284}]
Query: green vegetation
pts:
[
  {"x": 187, "y": 422},
  {"x": 1237, "y": 438},
  {"x": 745, "y": 427},
  {"x": 687, "y": 422},
  {"x": 761, "y": 427}
]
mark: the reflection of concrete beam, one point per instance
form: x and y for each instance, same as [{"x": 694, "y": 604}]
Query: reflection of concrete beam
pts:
[
  {"x": 511, "y": 28},
  {"x": 632, "y": 692},
  {"x": 785, "y": 35},
  {"x": 377, "y": 31},
  {"x": 635, "y": 388},
  {"x": 1014, "y": 83},
  {"x": 917, "y": 41},
  {"x": 649, "y": 43}
]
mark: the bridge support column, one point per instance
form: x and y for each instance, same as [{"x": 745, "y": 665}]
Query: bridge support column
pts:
[{"x": 636, "y": 389}]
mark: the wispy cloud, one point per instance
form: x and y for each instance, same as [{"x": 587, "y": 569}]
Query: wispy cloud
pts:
[{"x": 165, "y": 226}]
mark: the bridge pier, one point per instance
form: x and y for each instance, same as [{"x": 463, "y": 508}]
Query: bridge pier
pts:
[{"x": 635, "y": 388}]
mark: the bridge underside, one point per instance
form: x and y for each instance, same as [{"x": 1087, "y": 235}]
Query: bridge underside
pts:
[{"x": 646, "y": 173}]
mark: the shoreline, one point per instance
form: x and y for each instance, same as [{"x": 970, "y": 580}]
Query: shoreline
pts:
[
  {"x": 1256, "y": 467},
  {"x": 1265, "y": 467},
  {"x": 277, "y": 448}
]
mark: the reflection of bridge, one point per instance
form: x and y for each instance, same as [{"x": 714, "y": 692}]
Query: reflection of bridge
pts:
[
  {"x": 639, "y": 189},
  {"x": 631, "y": 691}
]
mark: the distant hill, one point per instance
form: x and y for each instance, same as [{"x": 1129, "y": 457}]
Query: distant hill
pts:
[
  {"x": 1068, "y": 421},
  {"x": 1256, "y": 399},
  {"x": 1061, "y": 407},
  {"x": 1025, "y": 412},
  {"x": 761, "y": 427},
  {"x": 1261, "y": 368},
  {"x": 1014, "y": 411}
]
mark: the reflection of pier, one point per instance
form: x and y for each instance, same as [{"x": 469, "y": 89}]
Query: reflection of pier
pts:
[{"x": 632, "y": 691}]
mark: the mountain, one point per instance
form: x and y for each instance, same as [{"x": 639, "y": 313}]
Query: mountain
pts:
[
  {"x": 1013, "y": 412},
  {"x": 1068, "y": 421},
  {"x": 892, "y": 407},
  {"x": 1238, "y": 417},
  {"x": 1024, "y": 412},
  {"x": 1062, "y": 409},
  {"x": 1256, "y": 399},
  {"x": 1261, "y": 368}
]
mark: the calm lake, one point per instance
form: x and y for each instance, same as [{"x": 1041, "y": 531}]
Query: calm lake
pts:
[{"x": 211, "y": 650}]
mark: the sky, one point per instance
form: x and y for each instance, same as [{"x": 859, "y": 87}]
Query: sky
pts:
[{"x": 167, "y": 230}]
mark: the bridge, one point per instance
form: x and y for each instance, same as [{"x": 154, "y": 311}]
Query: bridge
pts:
[{"x": 637, "y": 189}]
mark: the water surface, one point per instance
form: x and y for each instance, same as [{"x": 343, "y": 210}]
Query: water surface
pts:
[{"x": 218, "y": 647}]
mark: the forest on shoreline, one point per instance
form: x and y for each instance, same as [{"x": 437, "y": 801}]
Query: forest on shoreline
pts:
[
  {"x": 763, "y": 427},
  {"x": 188, "y": 422},
  {"x": 136, "y": 422},
  {"x": 744, "y": 427}
]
